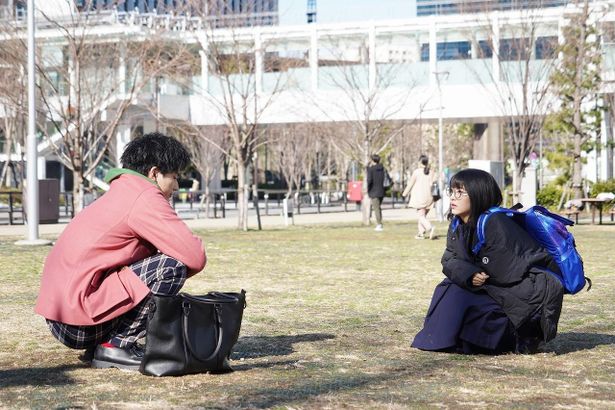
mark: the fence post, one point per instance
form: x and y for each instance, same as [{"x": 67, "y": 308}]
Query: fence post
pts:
[{"x": 11, "y": 208}]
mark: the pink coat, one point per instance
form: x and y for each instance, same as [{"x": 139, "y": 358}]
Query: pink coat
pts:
[{"x": 86, "y": 280}]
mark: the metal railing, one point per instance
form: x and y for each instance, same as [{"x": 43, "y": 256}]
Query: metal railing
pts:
[
  {"x": 11, "y": 203},
  {"x": 270, "y": 199}
]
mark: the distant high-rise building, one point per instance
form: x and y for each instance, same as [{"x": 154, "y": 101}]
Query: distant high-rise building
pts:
[
  {"x": 437, "y": 7},
  {"x": 248, "y": 12},
  {"x": 311, "y": 11}
]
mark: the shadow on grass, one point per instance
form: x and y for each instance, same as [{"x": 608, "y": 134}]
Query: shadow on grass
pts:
[
  {"x": 38, "y": 376},
  {"x": 251, "y": 347},
  {"x": 289, "y": 392},
  {"x": 569, "y": 342},
  {"x": 266, "y": 365}
]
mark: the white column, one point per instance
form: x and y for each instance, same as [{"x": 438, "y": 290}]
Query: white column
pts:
[
  {"x": 122, "y": 138},
  {"x": 495, "y": 57},
  {"x": 32, "y": 196},
  {"x": 42, "y": 167},
  {"x": 258, "y": 61},
  {"x": 314, "y": 59},
  {"x": 433, "y": 53},
  {"x": 372, "y": 79},
  {"x": 204, "y": 71}
]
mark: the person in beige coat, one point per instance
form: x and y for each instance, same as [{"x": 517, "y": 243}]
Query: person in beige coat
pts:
[{"x": 419, "y": 189}]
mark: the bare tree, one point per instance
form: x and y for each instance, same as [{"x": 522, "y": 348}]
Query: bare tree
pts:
[
  {"x": 367, "y": 101},
  {"x": 87, "y": 82},
  {"x": 517, "y": 64},
  {"x": 208, "y": 147},
  {"x": 577, "y": 81},
  {"x": 12, "y": 97},
  {"x": 295, "y": 148},
  {"x": 236, "y": 58}
]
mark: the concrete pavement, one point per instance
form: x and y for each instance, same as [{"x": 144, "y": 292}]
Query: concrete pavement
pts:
[{"x": 230, "y": 222}]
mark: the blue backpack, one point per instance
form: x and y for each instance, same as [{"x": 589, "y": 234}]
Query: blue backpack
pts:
[{"x": 549, "y": 230}]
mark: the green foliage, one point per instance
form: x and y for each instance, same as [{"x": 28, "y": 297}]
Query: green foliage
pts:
[
  {"x": 577, "y": 81},
  {"x": 549, "y": 196},
  {"x": 603, "y": 186}
]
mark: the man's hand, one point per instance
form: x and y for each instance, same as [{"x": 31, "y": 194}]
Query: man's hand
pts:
[{"x": 479, "y": 279}]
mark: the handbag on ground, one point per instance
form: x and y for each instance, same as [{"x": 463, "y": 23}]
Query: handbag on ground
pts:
[{"x": 192, "y": 334}]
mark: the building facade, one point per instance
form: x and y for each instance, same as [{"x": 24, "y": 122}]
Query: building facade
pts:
[
  {"x": 226, "y": 12},
  {"x": 442, "y": 7},
  {"x": 420, "y": 69}
]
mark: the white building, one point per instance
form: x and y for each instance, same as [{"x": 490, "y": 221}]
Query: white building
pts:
[{"x": 414, "y": 62}]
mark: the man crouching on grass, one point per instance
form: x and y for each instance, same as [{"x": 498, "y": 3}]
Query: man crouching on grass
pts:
[{"x": 118, "y": 251}]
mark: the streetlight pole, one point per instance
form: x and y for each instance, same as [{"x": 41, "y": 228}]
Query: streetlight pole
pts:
[
  {"x": 444, "y": 75},
  {"x": 31, "y": 145}
]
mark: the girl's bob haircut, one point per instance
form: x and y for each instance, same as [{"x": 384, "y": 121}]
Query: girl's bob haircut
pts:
[{"x": 482, "y": 190}]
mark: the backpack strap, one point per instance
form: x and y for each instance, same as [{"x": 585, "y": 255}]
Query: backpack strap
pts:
[
  {"x": 455, "y": 223},
  {"x": 482, "y": 222}
]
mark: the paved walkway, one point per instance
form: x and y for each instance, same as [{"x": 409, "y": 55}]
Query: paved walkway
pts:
[{"x": 230, "y": 222}]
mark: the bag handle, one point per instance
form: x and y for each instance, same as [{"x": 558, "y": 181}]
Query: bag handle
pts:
[
  {"x": 212, "y": 298},
  {"x": 218, "y": 328}
]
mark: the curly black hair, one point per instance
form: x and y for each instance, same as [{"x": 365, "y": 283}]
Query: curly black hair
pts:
[{"x": 155, "y": 150}]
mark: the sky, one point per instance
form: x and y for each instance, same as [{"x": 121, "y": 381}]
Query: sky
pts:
[{"x": 338, "y": 11}]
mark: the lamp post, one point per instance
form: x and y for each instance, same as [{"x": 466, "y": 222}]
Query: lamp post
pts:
[
  {"x": 440, "y": 76},
  {"x": 31, "y": 145}
]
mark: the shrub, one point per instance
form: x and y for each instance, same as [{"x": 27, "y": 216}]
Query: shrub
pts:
[
  {"x": 549, "y": 196},
  {"x": 603, "y": 186}
]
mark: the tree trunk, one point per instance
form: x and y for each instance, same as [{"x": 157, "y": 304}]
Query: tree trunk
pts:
[
  {"x": 577, "y": 180},
  {"x": 365, "y": 202},
  {"x": 242, "y": 196},
  {"x": 7, "y": 152},
  {"x": 78, "y": 191},
  {"x": 207, "y": 200},
  {"x": 577, "y": 166},
  {"x": 517, "y": 180}
]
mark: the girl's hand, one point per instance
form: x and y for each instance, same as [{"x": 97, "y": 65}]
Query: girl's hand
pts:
[{"x": 479, "y": 279}]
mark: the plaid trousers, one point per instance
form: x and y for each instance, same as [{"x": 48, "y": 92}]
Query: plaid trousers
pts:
[{"x": 161, "y": 273}]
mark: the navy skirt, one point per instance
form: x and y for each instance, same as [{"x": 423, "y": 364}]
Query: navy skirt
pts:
[{"x": 465, "y": 322}]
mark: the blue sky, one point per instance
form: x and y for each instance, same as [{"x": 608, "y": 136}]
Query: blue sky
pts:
[{"x": 337, "y": 11}]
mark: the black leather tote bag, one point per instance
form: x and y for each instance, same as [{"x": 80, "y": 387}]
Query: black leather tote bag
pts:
[{"x": 192, "y": 334}]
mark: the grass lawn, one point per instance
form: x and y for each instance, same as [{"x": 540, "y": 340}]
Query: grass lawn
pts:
[{"x": 331, "y": 313}]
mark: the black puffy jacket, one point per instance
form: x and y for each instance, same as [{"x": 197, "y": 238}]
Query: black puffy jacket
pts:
[{"x": 513, "y": 261}]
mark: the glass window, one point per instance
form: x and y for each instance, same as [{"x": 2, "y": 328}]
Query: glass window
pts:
[
  {"x": 546, "y": 47},
  {"x": 514, "y": 49},
  {"x": 454, "y": 50},
  {"x": 485, "y": 49}
]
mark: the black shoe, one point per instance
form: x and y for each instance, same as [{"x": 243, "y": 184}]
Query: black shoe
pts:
[
  {"x": 128, "y": 358},
  {"x": 528, "y": 345}
]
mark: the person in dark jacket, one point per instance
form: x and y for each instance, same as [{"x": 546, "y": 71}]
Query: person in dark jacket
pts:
[
  {"x": 375, "y": 188},
  {"x": 499, "y": 300}
]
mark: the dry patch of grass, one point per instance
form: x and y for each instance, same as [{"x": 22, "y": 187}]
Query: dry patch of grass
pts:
[{"x": 331, "y": 313}]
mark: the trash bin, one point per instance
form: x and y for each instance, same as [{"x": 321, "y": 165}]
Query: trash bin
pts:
[
  {"x": 355, "y": 191},
  {"x": 48, "y": 201}
]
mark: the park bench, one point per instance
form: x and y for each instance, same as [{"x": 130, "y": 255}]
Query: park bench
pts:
[{"x": 569, "y": 213}]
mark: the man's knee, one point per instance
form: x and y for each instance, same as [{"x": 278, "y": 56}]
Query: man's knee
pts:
[{"x": 170, "y": 278}]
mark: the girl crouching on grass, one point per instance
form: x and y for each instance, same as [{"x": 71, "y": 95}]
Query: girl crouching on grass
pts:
[{"x": 498, "y": 300}]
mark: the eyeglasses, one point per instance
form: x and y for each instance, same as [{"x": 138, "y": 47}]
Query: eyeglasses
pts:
[{"x": 456, "y": 194}]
